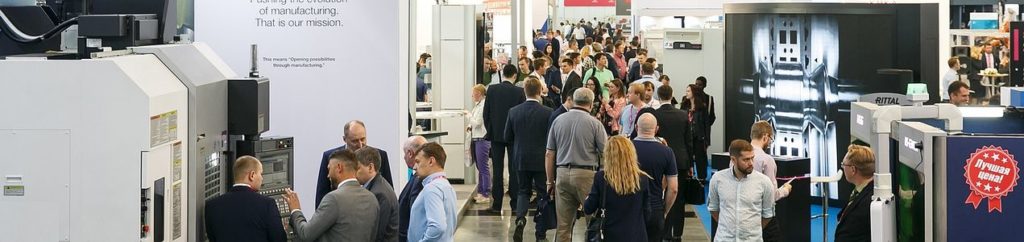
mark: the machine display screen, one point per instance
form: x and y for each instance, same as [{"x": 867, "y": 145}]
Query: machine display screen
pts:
[
  {"x": 275, "y": 171},
  {"x": 800, "y": 70}
]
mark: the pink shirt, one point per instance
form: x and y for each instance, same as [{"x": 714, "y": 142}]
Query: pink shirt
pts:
[
  {"x": 615, "y": 111},
  {"x": 620, "y": 61}
]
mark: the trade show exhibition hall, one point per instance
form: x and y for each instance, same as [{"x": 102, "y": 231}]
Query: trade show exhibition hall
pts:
[{"x": 511, "y": 120}]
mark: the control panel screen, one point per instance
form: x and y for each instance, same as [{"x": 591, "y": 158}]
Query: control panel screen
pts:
[{"x": 275, "y": 170}]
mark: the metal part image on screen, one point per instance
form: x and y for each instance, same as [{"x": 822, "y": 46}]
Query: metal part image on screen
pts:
[{"x": 795, "y": 85}]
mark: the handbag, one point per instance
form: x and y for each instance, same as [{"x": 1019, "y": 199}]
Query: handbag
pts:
[
  {"x": 595, "y": 229},
  {"x": 545, "y": 218},
  {"x": 693, "y": 191}
]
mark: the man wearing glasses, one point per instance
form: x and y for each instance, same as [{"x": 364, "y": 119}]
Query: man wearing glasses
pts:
[
  {"x": 761, "y": 137},
  {"x": 855, "y": 218}
]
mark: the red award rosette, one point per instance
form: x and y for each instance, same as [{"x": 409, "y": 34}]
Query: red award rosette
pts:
[{"x": 991, "y": 173}]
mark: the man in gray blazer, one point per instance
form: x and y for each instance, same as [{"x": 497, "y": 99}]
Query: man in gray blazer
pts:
[
  {"x": 348, "y": 213},
  {"x": 387, "y": 216}
]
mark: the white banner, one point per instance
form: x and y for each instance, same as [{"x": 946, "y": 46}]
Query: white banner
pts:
[{"x": 329, "y": 62}]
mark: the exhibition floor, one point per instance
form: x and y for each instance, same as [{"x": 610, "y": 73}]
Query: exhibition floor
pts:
[{"x": 481, "y": 226}]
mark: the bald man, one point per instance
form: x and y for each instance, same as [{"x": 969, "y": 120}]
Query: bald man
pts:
[
  {"x": 659, "y": 162},
  {"x": 355, "y": 138},
  {"x": 412, "y": 188},
  {"x": 242, "y": 214}
]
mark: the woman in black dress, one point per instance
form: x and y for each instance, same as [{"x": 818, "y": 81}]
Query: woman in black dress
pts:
[{"x": 622, "y": 187}]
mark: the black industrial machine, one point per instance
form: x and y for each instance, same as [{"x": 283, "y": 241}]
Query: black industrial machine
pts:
[
  {"x": 278, "y": 157},
  {"x": 248, "y": 117}
]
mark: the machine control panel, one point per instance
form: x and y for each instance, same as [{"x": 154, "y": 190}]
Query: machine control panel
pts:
[
  {"x": 276, "y": 153},
  {"x": 282, "y": 207}
]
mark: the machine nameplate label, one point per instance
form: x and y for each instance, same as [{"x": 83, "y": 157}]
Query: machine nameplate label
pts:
[
  {"x": 14, "y": 191},
  {"x": 176, "y": 210},
  {"x": 176, "y": 161},
  {"x": 163, "y": 128}
]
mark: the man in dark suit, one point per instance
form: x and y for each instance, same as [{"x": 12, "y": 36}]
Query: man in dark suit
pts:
[
  {"x": 573, "y": 82},
  {"x": 556, "y": 46},
  {"x": 588, "y": 28},
  {"x": 527, "y": 130},
  {"x": 631, "y": 51},
  {"x": 634, "y": 69},
  {"x": 348, "y": 213},
  {"x": 855, "y": 218},
  {"x": 500, "y": 98},
  {"x": 553, "y": 76},
  {"x": 387, "y": 216},
  {"x": 989, "y": 57},
  {"x": 355, "y": 138},
  {"x": 241, "y": 214},
  {"x": 674, "y": 127},
  {"x": 412, "y": 188}
]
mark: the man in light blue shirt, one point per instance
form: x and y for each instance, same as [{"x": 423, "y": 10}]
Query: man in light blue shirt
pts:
[
  {"x": 627, "y": 120},
  {"x": 433, "y": 213},
  {"x": 740, "y": 199}
]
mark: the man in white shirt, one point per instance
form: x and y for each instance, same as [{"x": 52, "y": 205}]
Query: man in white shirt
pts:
[
  {"x": 740, "y": 199},
  {"x": 540, "y": 65},
  {"x": 580, "y": 34},
  {"x": 566, "y": 27},
  {"x": 950, "y": 76}
]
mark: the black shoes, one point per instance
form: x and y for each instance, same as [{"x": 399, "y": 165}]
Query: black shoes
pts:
[{"x": 520, "y": 225}]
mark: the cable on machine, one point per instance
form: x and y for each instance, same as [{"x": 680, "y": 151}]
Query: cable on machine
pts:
[{"x": 8, "y": 28}]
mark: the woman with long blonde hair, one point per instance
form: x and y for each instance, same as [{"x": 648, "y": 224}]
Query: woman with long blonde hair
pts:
[{"x": 620, "y": 193}]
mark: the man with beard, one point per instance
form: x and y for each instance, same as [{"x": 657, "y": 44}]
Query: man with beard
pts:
[{"x": 740, "y": 199}]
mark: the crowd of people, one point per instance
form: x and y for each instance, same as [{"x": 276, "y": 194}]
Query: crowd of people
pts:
[
  {"x": 553, "y": 110},
  {"x": 599, "y": 136},
  {"x": 603, "y": 136}
]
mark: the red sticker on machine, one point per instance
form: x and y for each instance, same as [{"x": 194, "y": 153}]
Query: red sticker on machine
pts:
[{"x": 991, "y": 173}]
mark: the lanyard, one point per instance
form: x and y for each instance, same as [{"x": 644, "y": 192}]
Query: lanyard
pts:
[{"x": 632, "y": 117}]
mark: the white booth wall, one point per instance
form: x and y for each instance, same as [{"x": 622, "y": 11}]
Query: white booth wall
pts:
[
  {"x": 368, "y": 79},
  {"x": 536, "y": 10}
]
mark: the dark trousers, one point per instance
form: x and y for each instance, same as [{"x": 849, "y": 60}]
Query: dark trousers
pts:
[
  {"x": 772, "y": 232},
  {"x": 714, "y": 228},
  {"x": 498, "y": 150},
  {"x": 677, "y": 213},
  {"x": 656, "y": 224},
  {"x": 536, "y": 180},
  {"x": 700, "y": 156}
]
